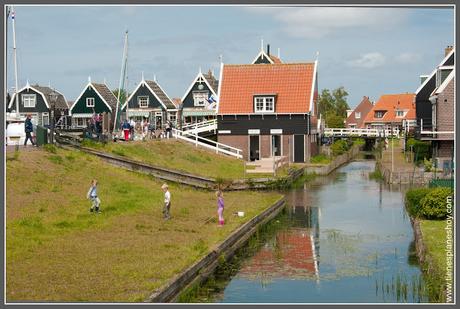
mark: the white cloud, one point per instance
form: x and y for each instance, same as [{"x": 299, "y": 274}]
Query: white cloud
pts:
[
  {"x": 315, "y": 22},
  {"x": 408, "y": 58},
  {"x": 368, "y": 61}
]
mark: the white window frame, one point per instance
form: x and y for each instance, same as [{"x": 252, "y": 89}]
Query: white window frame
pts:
[
  {"x": 261, "y": 103},
  {"x": 198, "y": 95},
  {"x": 30, "y": 99},
  {"x": 399, "y": 111},
  {"x": 47, "y": 116},
  {"x": 378, "y": 112},
  {"x": 88, "y": 100},
  {"x": 358, "y": 115},
  {"x": 143, "y": 104}
]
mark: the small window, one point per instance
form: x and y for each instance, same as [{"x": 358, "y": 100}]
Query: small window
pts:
[
  {"x": 357, "y": 115},
  {"x": 143, "y": 101},
  {"x": 264, "y": 104},
  {"x": 200, "y": 98},
  {"x": 89, "y": 102},
  {"x": 28, "y": 100},
  {"x": 399, "y": 113},
  {"x": 45, "y": 119},
  {"x": 379, "y": 114}
]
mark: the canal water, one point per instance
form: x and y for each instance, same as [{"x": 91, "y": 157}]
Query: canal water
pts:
[{"x": 344, "y": 238}]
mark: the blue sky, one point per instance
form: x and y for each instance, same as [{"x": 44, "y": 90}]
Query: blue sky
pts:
[{"x": 369, "y": 51}]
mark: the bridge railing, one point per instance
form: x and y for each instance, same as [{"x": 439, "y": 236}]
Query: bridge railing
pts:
[{"x": 361, "y": 132}]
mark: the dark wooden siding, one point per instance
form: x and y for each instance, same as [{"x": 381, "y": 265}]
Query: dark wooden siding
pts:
[
  {"x": 423, "y": 104},
  {"x": 188, "y": 101},
  {"x": 99, "y": 105},
  {"x": 294, "y": 124},
  {"x": 40, "y": 105},
  {"x": 262, "y": 60},
  {"x": 144, "y": 91}
]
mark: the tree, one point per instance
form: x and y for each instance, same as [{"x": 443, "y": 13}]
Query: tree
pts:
[
  {"x": 123, "y": 95},
  {"x": 333, "y": 106}
]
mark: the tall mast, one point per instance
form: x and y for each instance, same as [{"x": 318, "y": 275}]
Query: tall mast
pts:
[
  {"x": 15, "y": 61},
  {"x": 122, "y": 81}
]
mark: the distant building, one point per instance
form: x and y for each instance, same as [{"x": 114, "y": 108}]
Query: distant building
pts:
[
  {"x": 200, "y": 99},
  {"x": 356, "y": 117},
  {"x": 35, "y": 100},
  {"x": 269, "y": 109},
  {"x": 95, "y": 98},
  {"x": 392, "y": 111},
  {"x": 150, "y": 101}
]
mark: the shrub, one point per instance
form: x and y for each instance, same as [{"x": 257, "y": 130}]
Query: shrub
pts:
[
  {"x": 413, "y": 198},
  {"x": 421, "y": 149},
  {"x": 320, "y": 159},
  {"x": 339, "y": 147},
  {"x": 359, "y": 141},
  {"x": 428, "y": 164},
  {"x": 433, "y": 205}
]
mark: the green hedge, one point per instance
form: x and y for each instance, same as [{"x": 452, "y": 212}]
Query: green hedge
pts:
[
  {"x": 428, "y": 203},
  {"x": 422, "y": 150}
]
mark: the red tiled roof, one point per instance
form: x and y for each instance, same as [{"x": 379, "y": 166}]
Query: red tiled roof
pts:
[
  {"x": 364, "y": 108},
  {"x": 292, "y": 84},
  {"x": 390, "y": 103},
  {"x": 275, "y": 59},
  {"x": 176, "y": 102}
]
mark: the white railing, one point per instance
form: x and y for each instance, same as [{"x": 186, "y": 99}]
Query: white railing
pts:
[
  {"x": 278, "y": 162},
  {"x": 199, "y": 127},
  {"x": 361, "y": 132},
  {"x": 207, "y": 143}
]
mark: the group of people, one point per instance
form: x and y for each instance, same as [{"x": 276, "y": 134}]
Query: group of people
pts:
[
  {"x": 145, "y": 130},
  {"x": 94, "y": 125},
  {"x": 95, "y": 202}
]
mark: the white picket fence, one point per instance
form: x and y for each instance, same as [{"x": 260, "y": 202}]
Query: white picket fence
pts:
[
  {"x": 361, "y": 132},
  {"x": 207, "y": 143}
]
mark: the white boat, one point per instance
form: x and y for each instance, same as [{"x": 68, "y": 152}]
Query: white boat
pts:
[{"x": 15, "y": 131}]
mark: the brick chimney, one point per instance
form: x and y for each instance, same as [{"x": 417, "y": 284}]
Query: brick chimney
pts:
[{"x": 448, "y": 49}]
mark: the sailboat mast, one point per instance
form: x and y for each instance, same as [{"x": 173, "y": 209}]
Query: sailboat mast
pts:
[
  {"x": 15, "y": 60},
  {"x": 122, "y": 79}
]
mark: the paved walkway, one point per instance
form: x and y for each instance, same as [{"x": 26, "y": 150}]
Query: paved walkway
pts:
[{"x": 400, "y": 163}]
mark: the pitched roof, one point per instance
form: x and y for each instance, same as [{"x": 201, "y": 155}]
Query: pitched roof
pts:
[
  {"x": 213, "y": 82},
  {"x": 390, "y": 103},
  {"x": 106, "y": 94},
  {"x": 177, "y": 102},
  {"x": 433, "y": 73},
  {"x": 271, "y": 58},
  {"x": 160, "y": 93},
  {"x": 364, "y": 107},
  {"x": 275, "y": 59},
  {"x": 292, "y": 83},
  {"x": 61, "y": 102},
  {"x": 444, "y": 84}
]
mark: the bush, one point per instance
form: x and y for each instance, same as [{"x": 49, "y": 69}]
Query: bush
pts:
[
  {"x": 413, "y": 198},
  {"x": 428, "y": 164},
  {"x": 339, "y": 147},
  {"x": 433, "y": 205},
  {"x": 422, "y": 150},
  {"x": 359, "y": 141},
  {"x": 320, "y": 159}
]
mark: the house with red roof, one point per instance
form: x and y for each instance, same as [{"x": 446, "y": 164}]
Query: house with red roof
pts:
[
  {"x": 392, "y": 111},
  {"x": 268, "y": 109},
  {"x": 355, "y": 118}
]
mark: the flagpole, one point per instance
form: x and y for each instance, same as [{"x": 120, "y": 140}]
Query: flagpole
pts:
[
  {"x": 122, "y": 79},
  {"x": 15, "y": 60}
]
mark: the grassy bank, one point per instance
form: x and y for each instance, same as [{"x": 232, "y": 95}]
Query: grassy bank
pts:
[
  {"x": 177, "y": 155},
  {"x": 58, "y": 251}
]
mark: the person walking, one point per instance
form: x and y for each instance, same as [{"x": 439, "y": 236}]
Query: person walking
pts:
[
  {"x": 168, "y": 129},
  {"x": 167, "y": 205},
  {"x": 220, "y": 207},
  {"x": 92, "y": 195},
  {"x": 132, "y": 124},
  {"x": 29, "y": 128}
]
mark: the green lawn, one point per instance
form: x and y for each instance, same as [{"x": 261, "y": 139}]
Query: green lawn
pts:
[
  {"x": 177, "y": 155},
  {"x": 57, "y": 251},
  {"x": 434, "y": 237}
]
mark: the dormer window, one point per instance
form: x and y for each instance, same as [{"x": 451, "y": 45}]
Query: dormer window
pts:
[
  {"x": 399, "y": 113},
  {"x": 143, "y": 101},
  {"x": 264, "y": 104},
  {"x": 200, "y": 98},
  {"x": 379, "y": 114},
  {"x": 357, "y": 115},
  {"x": 442, "y": 73}
]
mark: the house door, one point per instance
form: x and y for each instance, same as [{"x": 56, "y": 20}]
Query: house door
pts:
[
  {"x": 254, "y": 147},
  {"x": 158, "y": 120},
  {"x": 299, "y": 154},
  {"x": 276, "y": 145}
]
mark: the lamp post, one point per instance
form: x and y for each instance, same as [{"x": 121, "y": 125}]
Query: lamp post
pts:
[{"x": 53, "y": 96}]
